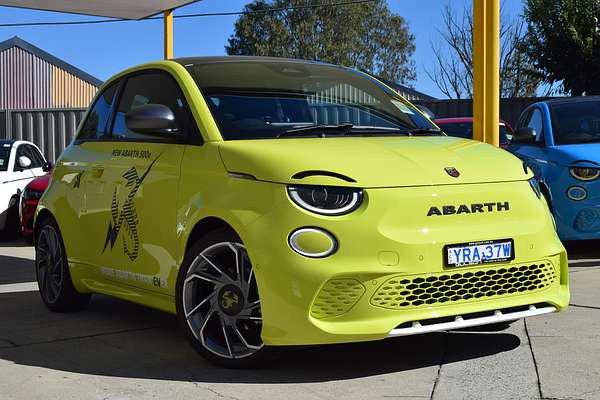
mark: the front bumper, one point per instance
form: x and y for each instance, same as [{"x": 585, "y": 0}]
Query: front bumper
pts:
[
  {"x": 575, "y": 220},
  {"x": 352, "y": 296}
]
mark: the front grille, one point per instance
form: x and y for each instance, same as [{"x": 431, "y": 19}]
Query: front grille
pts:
[
  {"x": 336, "y": 298},
  {"x": 448, "y": 288}
]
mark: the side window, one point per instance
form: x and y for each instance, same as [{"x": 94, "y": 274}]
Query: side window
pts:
[
  {"x": 24, "y": 150},
  {"x": 150, "y": 88},
  {"x": 524, "y": 119},
  {"x": 95, "y": 124},
  {"x": 37, "y": 161},
  {"x": 537, "y": 123}
]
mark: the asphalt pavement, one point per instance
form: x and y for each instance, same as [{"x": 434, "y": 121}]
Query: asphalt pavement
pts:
[{"x": 116, "y": 350}]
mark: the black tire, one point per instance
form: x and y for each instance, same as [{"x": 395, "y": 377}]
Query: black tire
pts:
[
  {"x": 52, "y": 271},
  {"x": 12, "y": 224},
  {"x": 262, "y": 357}
]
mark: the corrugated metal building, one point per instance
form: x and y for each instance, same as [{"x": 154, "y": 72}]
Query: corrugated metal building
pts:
[
  {"x": 31, "y": 78},
  {"x": 42, "y": 98}
]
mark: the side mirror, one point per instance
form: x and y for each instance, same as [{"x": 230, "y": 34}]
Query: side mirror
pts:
[
  {"x": 47, "y": 167},
  {"x": 151, "y": 119},
  {"x": 24, "y": 162},
  {"x": 524, "y": 135}
]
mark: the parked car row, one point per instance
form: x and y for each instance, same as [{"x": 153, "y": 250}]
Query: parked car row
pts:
[
  {"x": 559, "y": 140},
  {"x": 23, "y": 179}
]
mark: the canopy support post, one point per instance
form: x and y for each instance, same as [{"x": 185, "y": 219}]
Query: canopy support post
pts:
[
  {"x": 486, "y": 71},
  {"x": 168, "y": 34}
]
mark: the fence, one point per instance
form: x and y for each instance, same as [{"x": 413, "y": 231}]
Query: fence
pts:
[
  {"x": 510, "y": 109},
  {"x": 51, "y": 129}
]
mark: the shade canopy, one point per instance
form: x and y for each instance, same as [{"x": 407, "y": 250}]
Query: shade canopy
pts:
[{"x": 124, "y": 9}]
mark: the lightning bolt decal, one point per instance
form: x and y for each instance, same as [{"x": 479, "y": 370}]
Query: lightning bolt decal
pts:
[{"x": 127, "y": 216}]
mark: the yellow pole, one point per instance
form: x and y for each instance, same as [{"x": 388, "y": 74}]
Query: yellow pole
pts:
[
  {"x": 486, "y": 70},
  {"x": 168, "y": 34}
]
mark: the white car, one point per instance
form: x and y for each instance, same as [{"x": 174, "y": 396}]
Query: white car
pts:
[{"x": 20, "y": 162}]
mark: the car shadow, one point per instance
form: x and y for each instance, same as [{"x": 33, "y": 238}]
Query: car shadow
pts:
[
  {"x": 16, "y": 270},
  {"x": 584, "y": 253},
  {"x": 4, "y": 242},
  {"x": 119, "y": 339}
]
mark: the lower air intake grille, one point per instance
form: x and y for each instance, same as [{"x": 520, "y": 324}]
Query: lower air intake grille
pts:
[
  {"x": 435, "y": 289},
  {"x": 588, "y": 220},
  {"x": 336, "y": 297}
]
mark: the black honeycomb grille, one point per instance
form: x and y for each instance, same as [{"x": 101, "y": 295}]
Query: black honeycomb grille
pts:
[{"x": 442, "y": 288}]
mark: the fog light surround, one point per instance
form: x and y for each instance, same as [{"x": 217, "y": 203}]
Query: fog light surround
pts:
[
  {"x": 577, "y": 193},
  {"x": 313, "y": 242}
]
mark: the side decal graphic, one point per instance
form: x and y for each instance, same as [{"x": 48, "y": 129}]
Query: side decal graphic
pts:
[{"x": 125, "y": 215}]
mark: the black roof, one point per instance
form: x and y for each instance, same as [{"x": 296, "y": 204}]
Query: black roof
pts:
[
  {"x": 217, "y": 59},
  {"x": 574, "y": 99},
  {"x": 18, "y": 42}
]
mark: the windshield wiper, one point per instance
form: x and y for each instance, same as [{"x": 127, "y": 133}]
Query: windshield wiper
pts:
[
  {"x": 424, "y": 131},
  {"x": 341, "y": 129}
]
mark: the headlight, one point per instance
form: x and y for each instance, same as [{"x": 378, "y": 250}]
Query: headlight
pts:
[
  {"x": 326, "y": 200},
  {"x": 535, "y": 185},
  {"x": 32, "y": 194},
  {"x": 585, "y": 174}
]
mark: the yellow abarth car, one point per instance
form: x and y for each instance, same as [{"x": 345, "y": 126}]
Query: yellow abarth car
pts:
[{"x": 272, "y": 202}]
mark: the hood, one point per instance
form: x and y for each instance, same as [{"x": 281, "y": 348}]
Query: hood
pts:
[
  {"x": 371, "y": 161},
  {"x": 585, "y": 153}
]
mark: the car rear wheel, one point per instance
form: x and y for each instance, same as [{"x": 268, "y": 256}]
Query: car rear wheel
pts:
[
  {"x": 218, "y": 303},
  {"x": 52, "y": 271}
]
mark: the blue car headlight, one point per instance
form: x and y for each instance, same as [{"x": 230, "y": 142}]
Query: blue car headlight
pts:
[{"x": 584, "y": 173}]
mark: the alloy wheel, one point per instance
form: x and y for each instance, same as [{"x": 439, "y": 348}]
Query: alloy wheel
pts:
[
  {"x": 221, "y": 302},
  {"x": 49, "y": 263}
]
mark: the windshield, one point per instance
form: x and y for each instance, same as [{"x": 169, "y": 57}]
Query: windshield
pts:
[
  {"x": 577, "y": 122},
  {"x": 465, "y": 130},
  {"x": 4, "y": 156},
  {"x": 267, "y": 99}
]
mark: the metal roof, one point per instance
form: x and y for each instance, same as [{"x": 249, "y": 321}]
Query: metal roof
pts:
[
  {"x": 18, "y": 42},
  {"x": 123, "y": 9}
]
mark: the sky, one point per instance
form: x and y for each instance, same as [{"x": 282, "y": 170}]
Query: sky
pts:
[{"x": 102, "y": 50}]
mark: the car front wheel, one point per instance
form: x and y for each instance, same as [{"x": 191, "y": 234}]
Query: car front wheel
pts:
[{"x": 218, "y": 303}]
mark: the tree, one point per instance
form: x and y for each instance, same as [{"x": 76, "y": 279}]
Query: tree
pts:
[
  {"x": 365, "y": 36},
  {"x": 452, "y": 71},
  {"x": 563, "y": 40}
]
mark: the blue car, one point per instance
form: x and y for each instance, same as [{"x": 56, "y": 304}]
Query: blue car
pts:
[{"x": 559, "y": 140}]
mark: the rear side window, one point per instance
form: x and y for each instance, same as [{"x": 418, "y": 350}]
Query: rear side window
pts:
[
  {"x": 95, "y": 125},
  {"x": 150, "y": 88}
]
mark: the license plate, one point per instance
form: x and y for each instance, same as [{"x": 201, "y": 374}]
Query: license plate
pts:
[{"x": 491, "y": 251}]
